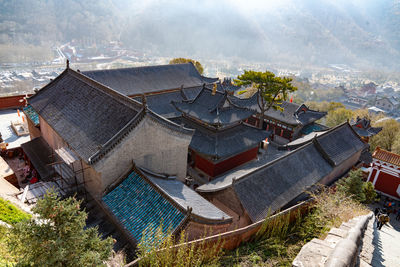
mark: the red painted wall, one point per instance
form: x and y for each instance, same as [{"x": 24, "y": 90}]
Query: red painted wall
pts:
[
  {"x": 387, "y": 184},
  {"x": 213, "y": 170},
  {"x": 11, "y": 101}
]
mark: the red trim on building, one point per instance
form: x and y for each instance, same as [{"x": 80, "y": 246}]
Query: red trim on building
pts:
[
  {"x": 371, "y": 178},
  {"x": 216, "y": 169},
  {"x": 7, "y": 102}
]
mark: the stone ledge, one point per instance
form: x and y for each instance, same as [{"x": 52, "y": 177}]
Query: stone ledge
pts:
[{"x": 340, "y": 247}]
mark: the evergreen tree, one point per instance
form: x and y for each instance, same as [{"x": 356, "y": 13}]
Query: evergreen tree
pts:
[
  {"x": 57, "y": 236},
  {"x": 352, "y": 185},
  {"x": 369, "y": 192},
  {"x": 271, "y": 90}
]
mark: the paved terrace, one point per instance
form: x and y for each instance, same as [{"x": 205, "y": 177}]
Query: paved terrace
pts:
[{"x": 9, "y": 136}]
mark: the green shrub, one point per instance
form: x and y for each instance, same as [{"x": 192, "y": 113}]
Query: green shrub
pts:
[
  {"x": 352, "y": 185},
  {"x": 369, "y": 192},
  {"x": 57, "y": 236},
  {"x": 159, "y": 250},
  {"x": 11, "y": 214}
]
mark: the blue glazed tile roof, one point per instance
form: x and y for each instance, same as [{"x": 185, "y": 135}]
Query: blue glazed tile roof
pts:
[
  {"x": 139, "y": 207},
  {"x": 31, "y": 114}
]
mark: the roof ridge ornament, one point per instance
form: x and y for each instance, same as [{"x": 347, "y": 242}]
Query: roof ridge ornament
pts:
[
  {"x": 67, "y": 63},
  {"x": 144, "y": 101}
]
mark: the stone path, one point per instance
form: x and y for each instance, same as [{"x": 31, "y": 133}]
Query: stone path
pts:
[{"x": 381, "y": 247}]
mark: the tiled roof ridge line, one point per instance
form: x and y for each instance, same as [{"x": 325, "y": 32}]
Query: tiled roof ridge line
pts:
[
  {"x": 239, "y": 107},
  {"x": 105, "y": 89},
  {"x": 344, "y": 124},
  {"x": 142, "y": 67},
  {"x": 51, "y": 82},
  {"x": 188, "y": 210},
  {"x": 137, "y": 170},
  {"x": 117, "y": 138},
  {"x": 169, "y": 124},
  {"x": 323, "y": 153}
]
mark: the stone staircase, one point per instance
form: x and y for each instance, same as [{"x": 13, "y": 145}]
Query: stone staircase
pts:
[{"x": 340, "y": 248}]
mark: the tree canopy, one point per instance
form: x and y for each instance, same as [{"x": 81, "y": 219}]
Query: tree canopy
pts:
[
  {"x": 57, "y": 236},
  {"x": 389, "y": 137},
  {"x": 181, "y": 60},
  {"x": 271, "y": 89}
]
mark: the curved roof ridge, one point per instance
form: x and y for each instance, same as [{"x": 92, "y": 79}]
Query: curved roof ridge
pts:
[
  {"x": 170, "y": 124},
  {"x": 159, "y": 185},
  {"x": 117, "y": 138}
]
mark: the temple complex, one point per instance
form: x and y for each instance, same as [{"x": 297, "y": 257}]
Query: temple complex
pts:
[
  {"x": 221, "y": 140},
  {"x": 163, "y": 146}
]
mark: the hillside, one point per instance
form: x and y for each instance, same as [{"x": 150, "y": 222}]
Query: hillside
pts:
[{"x": 364, "y": 34}]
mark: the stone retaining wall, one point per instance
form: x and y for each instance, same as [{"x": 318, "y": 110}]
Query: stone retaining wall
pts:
[{"x": 340, "y": 248}]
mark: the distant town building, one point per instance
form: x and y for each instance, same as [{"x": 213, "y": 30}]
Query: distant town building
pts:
[{"x": 387, "y": 103}]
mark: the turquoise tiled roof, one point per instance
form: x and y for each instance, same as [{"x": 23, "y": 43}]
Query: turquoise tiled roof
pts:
[
  {"x": 311, "y": 128},
  {"x": 31, "y": 114},
  {"x": 139, "y": 207}
]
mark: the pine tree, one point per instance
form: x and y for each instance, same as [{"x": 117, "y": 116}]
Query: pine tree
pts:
[
  {"x": 352, "y": 185},
  {"x": 56, "y": 237}
]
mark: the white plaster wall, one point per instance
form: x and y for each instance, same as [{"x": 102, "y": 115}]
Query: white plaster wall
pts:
[{"x": 150, "y": 145}]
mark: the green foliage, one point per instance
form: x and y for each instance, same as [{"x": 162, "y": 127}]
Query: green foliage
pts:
[
  {"x": 338, "y": 116},
  {"x": 165, "y": 251},
  {"x": 388, "y": 138},
  {"x": 272, "y": 89},
  {"x": 11, "y": 214},
  {"x": 352, "y": 185},
  {"x": 7, "y": 257},
  {"x": 369, "y": 192},
  {"x": 57, "y": 236},
  {"x": 180, "y": 60}
]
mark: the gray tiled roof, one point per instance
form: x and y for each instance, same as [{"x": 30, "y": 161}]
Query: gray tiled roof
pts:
[
  {"x": 162, "y": 103},
  {"x": 226, "y": 142},
  {"x": 140, "y": 80},
  {"x": 363, "y": 128},
  {"x": 340, "y": 143},
  {"x": 271, "y": 187},
  {"x": 85, "y": 114},
  {"x": 290, "y": 114},
  {"x": 185, "y": 197},
  {"x": 213, "y": 109}
]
